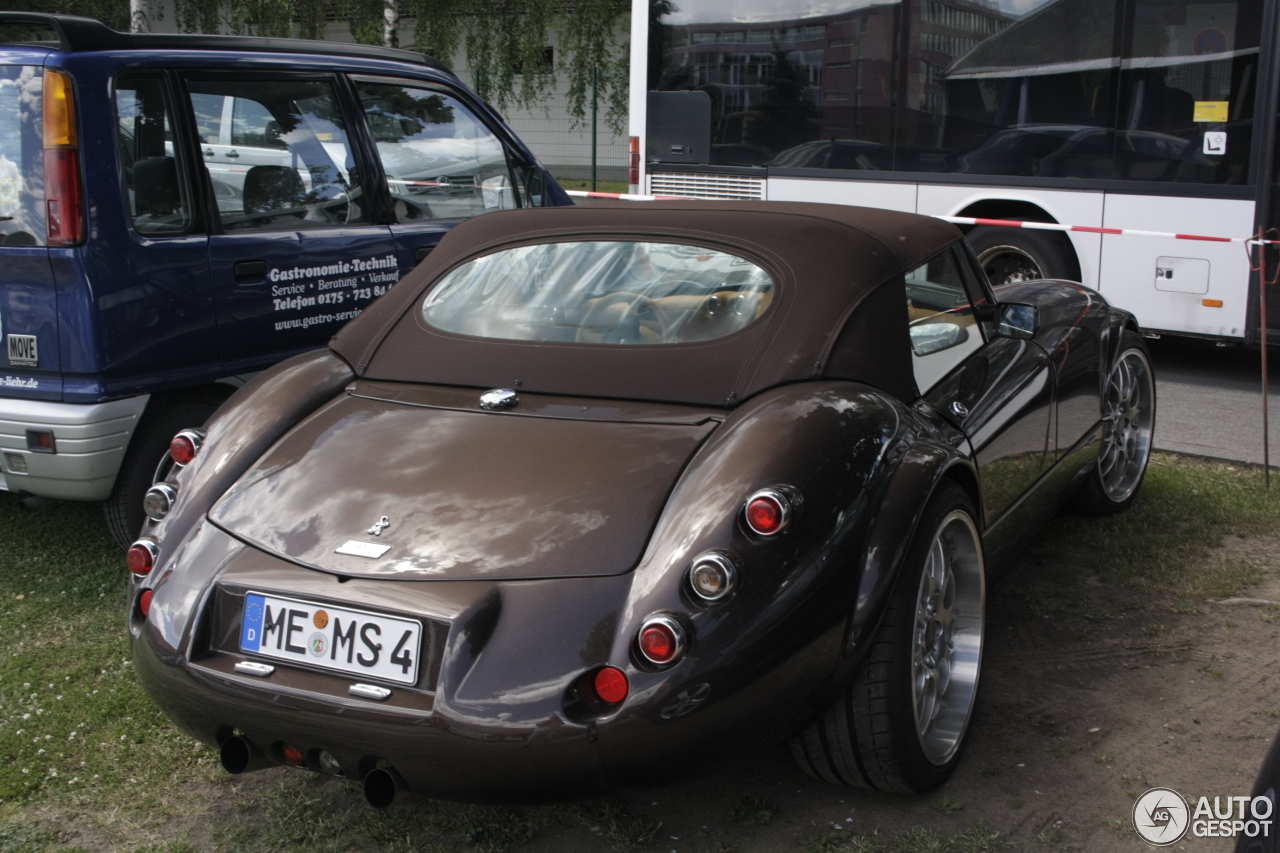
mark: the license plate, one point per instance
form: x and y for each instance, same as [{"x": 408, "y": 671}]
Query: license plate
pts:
[{"x": 371, "y": 645}]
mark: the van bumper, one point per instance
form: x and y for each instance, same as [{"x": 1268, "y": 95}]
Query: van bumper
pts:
[{"x": 89, "y": 445}]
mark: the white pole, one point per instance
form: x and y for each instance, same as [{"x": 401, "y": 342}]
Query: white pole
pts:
[{"x": 638, "y": 100}]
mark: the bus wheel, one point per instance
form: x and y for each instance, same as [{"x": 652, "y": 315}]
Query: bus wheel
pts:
[
  {"x": 146, "y": 462},
  {"x": 1010, "y": 255}
]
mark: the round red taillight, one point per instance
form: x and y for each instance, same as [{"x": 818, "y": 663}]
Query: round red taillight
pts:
[
  {"x": 767, "y": 511},
  {"x": 141, "y": 558},
  {"x": 661, "y": 639},
  {"x": 182, "y": 449},
  {"x": 144, "y": 603},
  {"x": 611, "y": 685},
  {"x": 292, "y": 755},
  {"x": 186, "y": 445}
]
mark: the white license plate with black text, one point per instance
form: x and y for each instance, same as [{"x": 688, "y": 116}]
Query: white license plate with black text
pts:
[{"x": 370, "y": 645}]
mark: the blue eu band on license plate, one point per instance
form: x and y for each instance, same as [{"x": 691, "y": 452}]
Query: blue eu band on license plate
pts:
[{"x": 370, "y": 645}]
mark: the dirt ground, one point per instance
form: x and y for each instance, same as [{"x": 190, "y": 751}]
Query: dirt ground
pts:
[
  {"x": 1091, "y": 695},
  {"x": 1088, "y": 700}
]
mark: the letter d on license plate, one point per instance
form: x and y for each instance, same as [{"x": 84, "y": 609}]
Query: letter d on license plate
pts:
[{"x": 371, "y": 645}]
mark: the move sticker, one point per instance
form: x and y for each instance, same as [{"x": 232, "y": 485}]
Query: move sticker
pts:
[{"x": 1211, "y": 111}]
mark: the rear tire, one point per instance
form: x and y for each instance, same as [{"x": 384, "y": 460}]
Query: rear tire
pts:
[
  {"x": 1129, "y": 425},
  {"x": 145, "y": 462},
  {"x": 901, "y": 724},
  {"x": 1010, "y": 255}
]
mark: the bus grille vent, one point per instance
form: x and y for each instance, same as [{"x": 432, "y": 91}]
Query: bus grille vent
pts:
[{"x": 706, "y": 186}]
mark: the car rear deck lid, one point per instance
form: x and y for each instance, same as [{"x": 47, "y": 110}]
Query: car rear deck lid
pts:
[{"x": 379, "y": 488}]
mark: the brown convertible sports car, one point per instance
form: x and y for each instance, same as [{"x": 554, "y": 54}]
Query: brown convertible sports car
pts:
[{"x": 596, "y": 495}]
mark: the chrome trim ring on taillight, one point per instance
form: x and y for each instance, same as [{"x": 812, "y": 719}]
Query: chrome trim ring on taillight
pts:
[
  {"x": 779, "y": 496},
  {"x": 159, "y": 500},
  {"x": 728, "y": 571},
  {"x": 677, "y": 632}
]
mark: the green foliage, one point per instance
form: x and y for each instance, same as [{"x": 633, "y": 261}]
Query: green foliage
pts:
[
  {"x": 501, "y": 37},
  {"x": 113, "y": 13}
]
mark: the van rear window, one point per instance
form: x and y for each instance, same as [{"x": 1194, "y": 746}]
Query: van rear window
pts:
[{"x": 21, "y": 157}]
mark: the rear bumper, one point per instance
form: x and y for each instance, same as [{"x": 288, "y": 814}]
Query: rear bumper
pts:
[
  {"x": 494, "y": 724},
  {"x": 90, "y": 442}
]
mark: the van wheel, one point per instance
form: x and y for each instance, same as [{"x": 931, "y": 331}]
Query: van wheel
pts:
[
  {"x": 901, "y": 724},
  {"x": 147, "y": 462},
  {"x": 1010, "y": 255}
]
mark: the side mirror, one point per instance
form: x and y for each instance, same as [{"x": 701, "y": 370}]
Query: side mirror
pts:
[{"x": 1018, "y": 321}]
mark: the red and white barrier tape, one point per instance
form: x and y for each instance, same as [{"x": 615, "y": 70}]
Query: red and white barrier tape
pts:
[{"x": 1003, "y": 223}]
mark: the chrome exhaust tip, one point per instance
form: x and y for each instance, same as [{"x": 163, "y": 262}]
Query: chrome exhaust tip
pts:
[
  {"x": 384, "y": 788},
  {"x": 239, "y": 755}
]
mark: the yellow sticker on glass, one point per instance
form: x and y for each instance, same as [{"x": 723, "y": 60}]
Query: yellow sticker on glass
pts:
[
  {"x": 328, "y": 137},
  {"x": 1211, "y": 111}
]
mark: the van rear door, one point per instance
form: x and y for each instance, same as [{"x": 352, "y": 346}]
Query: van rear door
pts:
[{"x": 29, "y": 364}]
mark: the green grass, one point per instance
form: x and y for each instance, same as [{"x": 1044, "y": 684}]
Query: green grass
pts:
[
  {"x": 601, "y": 186},
  {"x": 87, "y": 759},
  {"x": 1169, "y": 540}
]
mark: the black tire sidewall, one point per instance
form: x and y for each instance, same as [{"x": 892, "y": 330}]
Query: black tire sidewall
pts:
[{"x": 1047, "y": 249}]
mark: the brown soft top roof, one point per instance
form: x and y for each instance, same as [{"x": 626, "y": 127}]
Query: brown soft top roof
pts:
[{"x": 839, "y": 308}]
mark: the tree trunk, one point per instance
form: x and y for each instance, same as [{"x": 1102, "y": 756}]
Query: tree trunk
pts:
[
  {"x": 138, "y": 22},
  {"x": 390, "y": 23}
]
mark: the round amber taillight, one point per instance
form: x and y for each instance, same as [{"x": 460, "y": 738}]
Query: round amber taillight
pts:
[
  {"x": 144, "y": 603},
  {"x": 712, "y": 576},
  {"x": 611, "y": 685},
  {"x": 159, "y": 500}
]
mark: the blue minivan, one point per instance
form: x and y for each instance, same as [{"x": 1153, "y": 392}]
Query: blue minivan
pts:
[{"x": 179, "y": 212}]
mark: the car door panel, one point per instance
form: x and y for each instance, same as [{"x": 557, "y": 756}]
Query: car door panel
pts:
[
  {"x": 1004, "y": 393},
  {"x": 1072, "y": 325}
]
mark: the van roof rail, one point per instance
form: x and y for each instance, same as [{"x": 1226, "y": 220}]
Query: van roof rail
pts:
[{"x": 79, "y": 35}]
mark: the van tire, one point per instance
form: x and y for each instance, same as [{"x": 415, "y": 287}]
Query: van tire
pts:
[{"x": 147, "y": 450}]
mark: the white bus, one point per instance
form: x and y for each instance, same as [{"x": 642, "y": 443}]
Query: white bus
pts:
[{"x": 1129, "y": 114}]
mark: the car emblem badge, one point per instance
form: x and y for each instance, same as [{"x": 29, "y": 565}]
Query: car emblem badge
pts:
[
  {"x": 379, "y": 526},
  {"x": 498, "y": 398}
]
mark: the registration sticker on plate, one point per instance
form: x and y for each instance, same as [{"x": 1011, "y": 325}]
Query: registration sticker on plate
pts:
[{"x": 371, "y": 645}]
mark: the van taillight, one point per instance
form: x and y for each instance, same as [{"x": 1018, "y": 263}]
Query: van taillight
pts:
[{"x": 62, "y": 190}]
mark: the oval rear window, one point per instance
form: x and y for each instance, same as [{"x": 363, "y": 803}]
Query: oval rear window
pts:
[{"x": 601, "y": 292}]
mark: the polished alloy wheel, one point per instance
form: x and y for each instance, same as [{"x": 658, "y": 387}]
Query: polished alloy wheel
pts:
[
  {"x": 1009, "y": 264},
  {"x": 947, "y": 639},
  {"x": 1128, "y": 419}
]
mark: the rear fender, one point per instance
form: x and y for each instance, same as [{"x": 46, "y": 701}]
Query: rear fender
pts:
[
  {"x": 838, "y": 444},
  {"x": 248, "y": 423},
  {"x": 895, "y": 528}
]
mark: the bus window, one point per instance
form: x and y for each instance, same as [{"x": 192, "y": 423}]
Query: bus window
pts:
[{"x": 1188, "y": 82}]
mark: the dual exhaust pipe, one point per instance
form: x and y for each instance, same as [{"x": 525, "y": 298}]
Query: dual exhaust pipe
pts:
[{"x": 383, "y": 786}]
